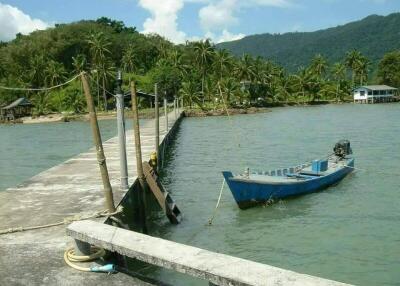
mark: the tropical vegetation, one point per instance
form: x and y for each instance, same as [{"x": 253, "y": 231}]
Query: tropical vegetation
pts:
[
  {"x": 373, "y": 36},
  {"x": 200, "y": 73}
]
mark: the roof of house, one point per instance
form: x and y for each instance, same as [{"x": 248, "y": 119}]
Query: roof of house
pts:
[
  {"x": 377, "y": 87},
  {"x": 19, "y": 102},
  {"x": 139, "y": 94}
]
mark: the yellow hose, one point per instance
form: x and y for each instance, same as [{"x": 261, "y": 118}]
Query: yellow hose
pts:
[{"x": 70, "y": 257}]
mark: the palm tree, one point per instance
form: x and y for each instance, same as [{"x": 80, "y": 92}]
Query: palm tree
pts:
[
  {"x": 129, "y": 60},
  {"x": 230, "y": 89},
  {"x": 99, "y": 50},
  {"x": 204, "y": 53},
  {"x": 301, "y": 82},
  {"x": 339, "y": 75},
  {"x": 37, "y": 66},
  {"x": 244, "y": 69},
  {"x": 319, "y": 65},
  {"x": 79, "y": 63},
  {"x": 362, "y": 69},
  {"x": 351, "y": 61},
  {"x": 106, "y": 71},
  {"x": 175, "y": 59},
  {"x": 222, "y": 62},
  {"x": 55, "y": 74},
  {"x": 189, "y": 93}
]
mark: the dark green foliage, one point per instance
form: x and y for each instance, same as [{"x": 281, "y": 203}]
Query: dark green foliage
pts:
[
  {"x": 389, "y": 69},
  {"x": 49, "y": 57},
  {"x": 197, "y": 72},
  {"x": 373, "y": 36}
]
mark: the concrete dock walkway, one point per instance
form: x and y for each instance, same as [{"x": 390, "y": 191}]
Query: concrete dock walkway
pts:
[{"x": 71, "y": 188}]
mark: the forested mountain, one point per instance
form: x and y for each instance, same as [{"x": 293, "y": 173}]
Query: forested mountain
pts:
[
  {"x": 373, "y": 37},
  {"x": 197, "y": 72}
]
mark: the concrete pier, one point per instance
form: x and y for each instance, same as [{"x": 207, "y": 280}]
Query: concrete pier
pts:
[
  {"x": 216, "y": 268},
  {"x": 71, "y": 188}
]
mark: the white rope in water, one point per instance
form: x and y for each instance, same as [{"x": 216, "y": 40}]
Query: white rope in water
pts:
[
  {"x": 41, "y": 89},
  {"x": 210, "y": 221}
]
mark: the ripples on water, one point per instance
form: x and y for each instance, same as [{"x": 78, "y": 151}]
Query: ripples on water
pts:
[
  {"x": 349, "y": 232},
  {"x": 26, "y": 150}
]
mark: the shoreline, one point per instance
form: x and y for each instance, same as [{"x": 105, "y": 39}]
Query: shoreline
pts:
[{"x": 149, "y": 113}]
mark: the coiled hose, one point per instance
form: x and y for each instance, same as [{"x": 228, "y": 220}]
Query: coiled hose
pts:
[{"x": 71, "y": 259}]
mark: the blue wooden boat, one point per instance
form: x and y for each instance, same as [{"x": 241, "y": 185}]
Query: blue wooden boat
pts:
[{"x": 250, "y": 189}]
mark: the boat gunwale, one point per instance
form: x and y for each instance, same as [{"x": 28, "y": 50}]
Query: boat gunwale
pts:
[{"x": 288, "y": 182}]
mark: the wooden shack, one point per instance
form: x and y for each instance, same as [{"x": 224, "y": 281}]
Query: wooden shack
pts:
[{"x": 17, "y": 109}]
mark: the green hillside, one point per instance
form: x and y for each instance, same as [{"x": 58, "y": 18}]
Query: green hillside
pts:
[{"x": 373, "y": 36}]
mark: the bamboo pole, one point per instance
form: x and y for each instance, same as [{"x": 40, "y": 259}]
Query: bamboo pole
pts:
[
  {"x": 108, "y": 194},
  {"x": 138, "y": 147}
]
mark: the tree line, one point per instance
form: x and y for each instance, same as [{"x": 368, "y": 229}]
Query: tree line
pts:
[{"x": 197, "y": 72}]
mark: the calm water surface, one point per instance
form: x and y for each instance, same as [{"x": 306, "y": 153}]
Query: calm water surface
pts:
[
  {"x": 349, "y": 232},
  {"x": 26, "y": 150}
]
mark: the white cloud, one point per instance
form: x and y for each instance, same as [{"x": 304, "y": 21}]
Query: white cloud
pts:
[
  {"x": 219, "y": 15},
  {"x": 216, "y": 17},
  {"x": 13, "y": 21},
  {"x": 163, "y": 20},
  {"x": 225, "y": 36}
]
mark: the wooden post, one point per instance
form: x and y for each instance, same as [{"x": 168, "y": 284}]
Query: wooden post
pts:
[
  {"x": 157, "y": 124},
  {"x": 138, "y": 147},
  {"x": 108, "y": 194}
]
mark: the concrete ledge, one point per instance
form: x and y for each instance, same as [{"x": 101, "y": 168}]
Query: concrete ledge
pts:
[{"x": 217, "y": 268}]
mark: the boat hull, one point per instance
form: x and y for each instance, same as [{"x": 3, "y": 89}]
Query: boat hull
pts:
[{"x": 250, "y": 193}]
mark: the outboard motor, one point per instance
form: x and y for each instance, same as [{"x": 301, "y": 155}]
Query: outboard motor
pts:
[{"x": 342, "y": 149}]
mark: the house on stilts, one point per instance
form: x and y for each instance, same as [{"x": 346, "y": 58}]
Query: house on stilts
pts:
[{"x": 374, "y": 94}]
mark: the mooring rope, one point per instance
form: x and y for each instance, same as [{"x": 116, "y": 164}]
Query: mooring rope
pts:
[
  {"x": 64, "y": 221},
  {"x": 43, "y": 88},
  {"x": 210, "y": 221},
  {"x": 99, "y": 86}
]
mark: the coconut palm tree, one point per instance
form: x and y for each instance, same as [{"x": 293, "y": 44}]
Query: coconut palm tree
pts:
[
  {"x": 204, "y": 54},
  {"x": 99, "y": 50},
  {"x": 339, "y": 75},
  {"x": 54, "y": 74},
  {"x": 318, "y": 65},
  {"x": 301, "y": 82},
  {"x": 36, "y": 71},
  {"x": 106, "y": 72},
  {"x": 189, "y": 93},
  {"x": 79, "y": 63},
  {"x": 129, "y": 60},
  {"x": 222, "y": 63},
  {"x": 244, "y": 69},
  {"x": 362, "y": 69},
  {"x": 352, "y": 61}
]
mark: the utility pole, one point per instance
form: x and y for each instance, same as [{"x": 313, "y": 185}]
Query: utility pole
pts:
[
  {"x": 157, "y": 124},
  {"x": 101, "y": 159},
  {"x": 175, "y": 104},
  {"x": 138, "y": 147},
  {"x": 121, "y": 133}
]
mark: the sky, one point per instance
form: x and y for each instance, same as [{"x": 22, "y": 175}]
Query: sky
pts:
[{"x": 181, "y": 20}]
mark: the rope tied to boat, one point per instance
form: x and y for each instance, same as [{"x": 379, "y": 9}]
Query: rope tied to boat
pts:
[{"x": 210, "y": 221}]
